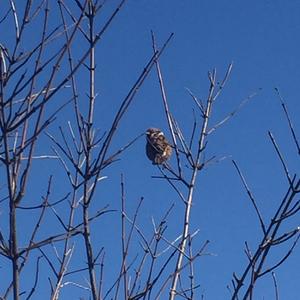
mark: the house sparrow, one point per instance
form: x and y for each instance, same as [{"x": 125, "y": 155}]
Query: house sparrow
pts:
[{"x": 158, "y": 149}]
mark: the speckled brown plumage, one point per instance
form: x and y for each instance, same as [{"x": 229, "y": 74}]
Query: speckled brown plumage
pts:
[{"x": 158, "y": 149}]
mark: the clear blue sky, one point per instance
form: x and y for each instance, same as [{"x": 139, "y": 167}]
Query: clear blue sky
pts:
[{"x": 262, "y": 39}]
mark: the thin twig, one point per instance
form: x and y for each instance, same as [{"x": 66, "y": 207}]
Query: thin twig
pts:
[
  {"x": 288, "y": 119},
  {"x": 275, "y": 286},
  {"x": 251, "y": 197},
  {"x": 280, "y": 157},
  {"x": 165, "y": 103}
]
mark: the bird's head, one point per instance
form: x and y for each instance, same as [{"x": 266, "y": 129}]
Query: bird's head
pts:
[{"x": 153, "y": 131}]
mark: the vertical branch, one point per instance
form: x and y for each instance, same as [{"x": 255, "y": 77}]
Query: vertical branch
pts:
[
  {"x": 11, "y": 179},
  {"x": 13, "y": 245},
  {"x": 166, "y": 106},
  {"x": 26, "y": 121},
  {"x": 191, "y": 267},
  {"x": 188, "y": 204},
  {"x": 124, "y": 247},
  {"x": 11, "y": 185},
  {"x": 89, "y": 143},
  {"x": 13, "y": 8},
  {"x": 66, "y": 249},
  {"x": 275, "y": 286},
  {"x": 289, "y": 120}
]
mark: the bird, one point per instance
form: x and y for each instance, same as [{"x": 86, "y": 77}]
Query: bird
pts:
[{"x": 158, "y": 149}]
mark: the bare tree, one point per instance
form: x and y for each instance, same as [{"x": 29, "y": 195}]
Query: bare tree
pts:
[
  {"x": 37, "y": 71},
  {"x": 271, "y": 232}
]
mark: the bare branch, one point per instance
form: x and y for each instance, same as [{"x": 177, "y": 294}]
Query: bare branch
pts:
[
  {"x": 251, "y": 197},
  {"x": 288, "y": 119},
  {"x": 280, "y": 157}
]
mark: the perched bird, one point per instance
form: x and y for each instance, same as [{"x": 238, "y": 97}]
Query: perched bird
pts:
[{"x": 158, "y": 149}]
